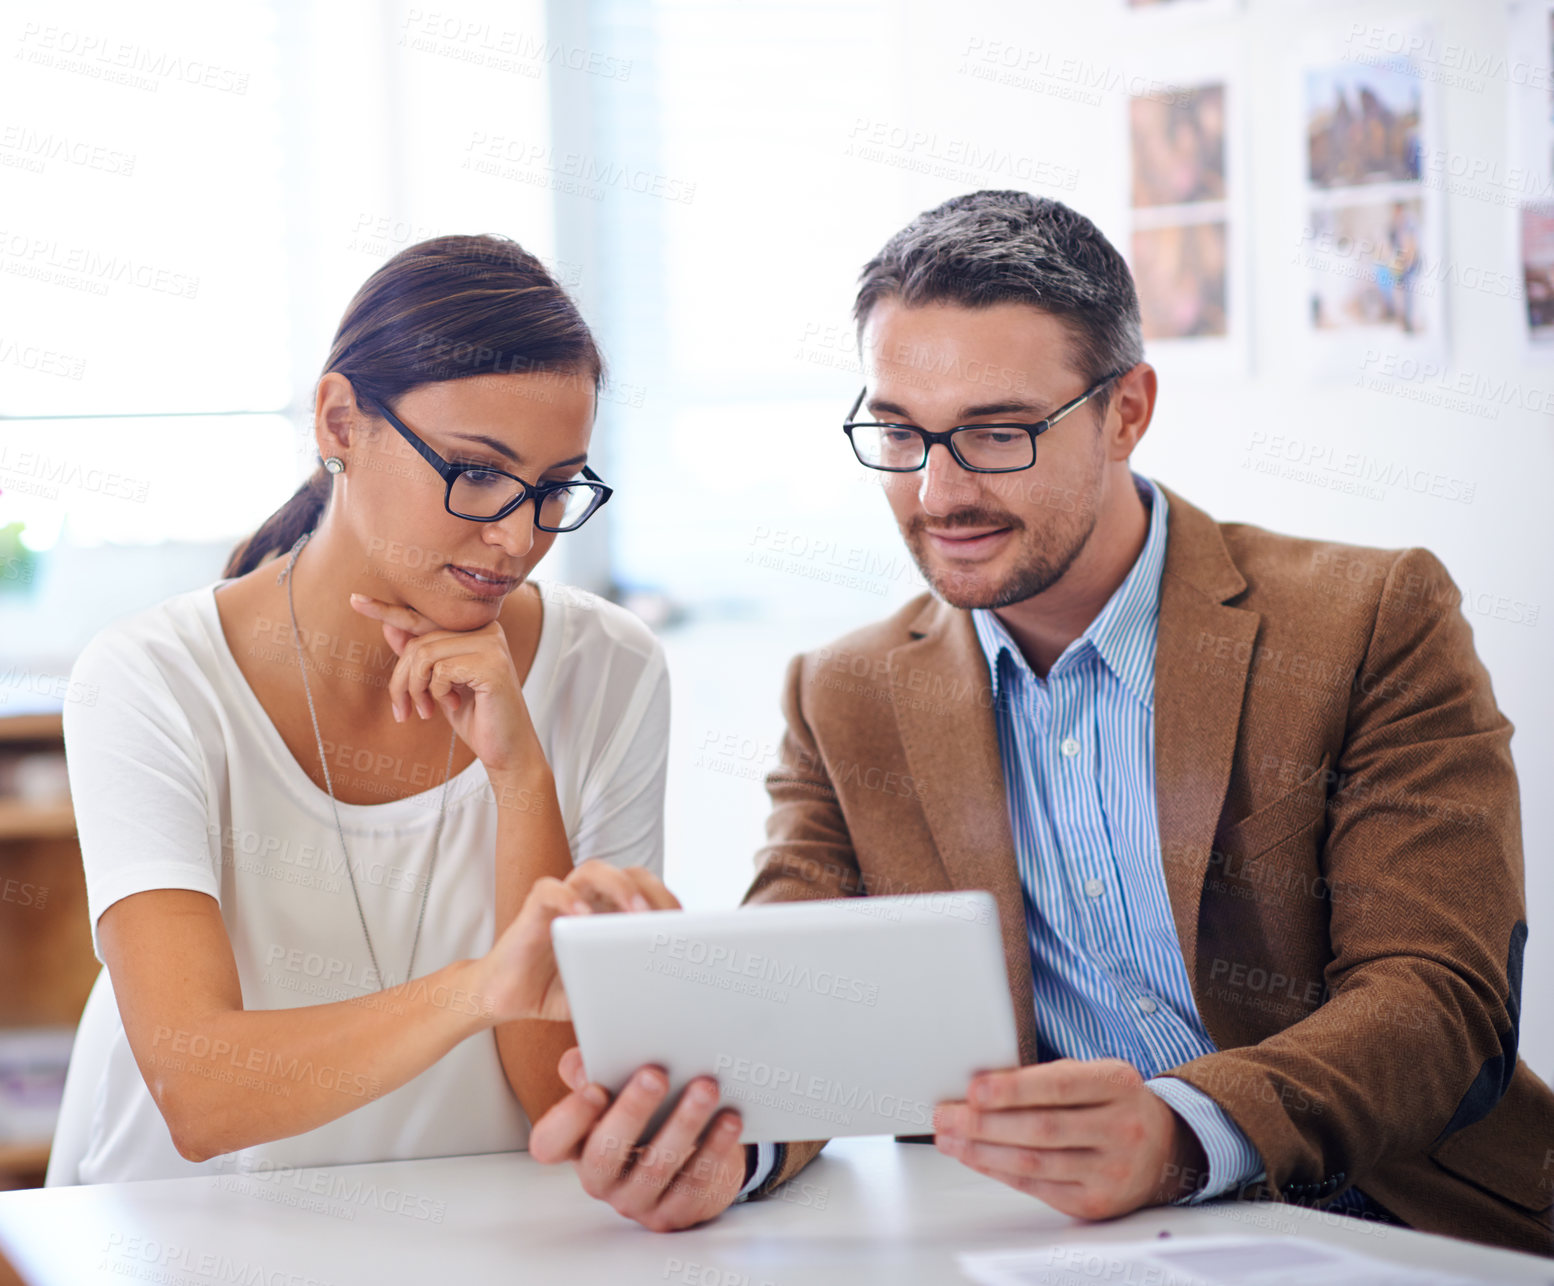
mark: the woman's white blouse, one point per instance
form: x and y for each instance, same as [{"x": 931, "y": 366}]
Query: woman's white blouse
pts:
[{"x": 181, "y": 781}]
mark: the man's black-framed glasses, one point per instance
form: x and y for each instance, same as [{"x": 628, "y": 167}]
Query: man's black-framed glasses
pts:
[
  {"x": 981, "y": 448},
  {"x": 483, "y": 494}
]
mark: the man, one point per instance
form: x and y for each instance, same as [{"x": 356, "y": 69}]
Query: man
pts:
[{"x": 1246, "y": 801}]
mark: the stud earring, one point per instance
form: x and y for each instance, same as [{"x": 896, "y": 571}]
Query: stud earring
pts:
[{"x": 335, "y": 464}]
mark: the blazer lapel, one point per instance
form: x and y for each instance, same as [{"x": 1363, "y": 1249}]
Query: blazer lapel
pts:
[
  {"x": 944, "y": 714},
  {"x": 1202, "y": 656},
  {"x": 945, "y": 718}
]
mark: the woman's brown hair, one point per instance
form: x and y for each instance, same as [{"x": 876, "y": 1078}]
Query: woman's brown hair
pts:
[{"x": 445, "y": 309}]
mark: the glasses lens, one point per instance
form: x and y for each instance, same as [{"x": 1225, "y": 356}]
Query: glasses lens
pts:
[
  {"x": 884, "y": 446},
  {"x": 482, "y": 493},
  {"x": 996, "y": 448},
  {"x": 568, "y": 507}
]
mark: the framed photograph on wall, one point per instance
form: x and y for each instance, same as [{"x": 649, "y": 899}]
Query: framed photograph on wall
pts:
[
  {"x": 1537, "y": 267},
  {"x": 1371, "y": 236},
  {"x": 1530, "y": 175},
  {"x": 1186, "y": 217}
]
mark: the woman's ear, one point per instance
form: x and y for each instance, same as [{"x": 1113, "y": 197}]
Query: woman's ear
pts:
[{"x": 336, "y": 416}]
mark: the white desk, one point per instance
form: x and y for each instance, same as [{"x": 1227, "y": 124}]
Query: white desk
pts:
[{"x": 878, "y": 1211}]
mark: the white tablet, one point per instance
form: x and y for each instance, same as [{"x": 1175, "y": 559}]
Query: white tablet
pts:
[{"x": 818, "y": 1019}]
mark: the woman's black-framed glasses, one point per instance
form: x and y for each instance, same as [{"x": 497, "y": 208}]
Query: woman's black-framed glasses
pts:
[
  {"x": 981, "y": 448},
  {"x": 483, "y": 494}
]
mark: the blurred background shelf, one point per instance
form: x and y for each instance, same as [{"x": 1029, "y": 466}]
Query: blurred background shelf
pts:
[
  {"x": 44, "y": 728},
  {"x": 23, "y": 1164},
  {"x": 20, "y": 819},
  {"x": 46, "y": 958}
]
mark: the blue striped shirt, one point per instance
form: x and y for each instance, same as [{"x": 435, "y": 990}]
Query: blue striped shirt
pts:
[{"x": 1078, "y": 756}]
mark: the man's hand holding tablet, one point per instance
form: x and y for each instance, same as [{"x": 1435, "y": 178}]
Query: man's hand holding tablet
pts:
[
  {"x": 1085, "y": 1136},
  {"x": 690, "y": 1172},
  {"x": 818, "y": 1019}
]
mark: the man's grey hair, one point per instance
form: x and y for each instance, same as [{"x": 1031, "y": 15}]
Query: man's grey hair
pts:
[{"x": 1011, "y": 247}]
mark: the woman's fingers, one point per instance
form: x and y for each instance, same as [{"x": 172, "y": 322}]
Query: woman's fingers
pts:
[
  {"x": 528, "y": 983},
  {"x": 609, "y": 888},
  {"x": 410, "y": 634},
  {"x": 412, "y": 673},
  {"x": 652, "y": 888},
  {"x": 548, "y": 899},
  {"x": 450, "y": 660},
  {"x": 397, "y": 615},
  {"x": 606, "y": 888}
]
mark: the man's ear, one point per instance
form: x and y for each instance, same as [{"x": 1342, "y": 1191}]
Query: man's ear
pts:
[{"x": 1132, "y": 407}]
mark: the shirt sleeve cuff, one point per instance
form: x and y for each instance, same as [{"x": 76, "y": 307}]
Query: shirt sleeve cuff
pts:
[
  {"x": 765, "y": 1161},
  {"x": 1233, "y": 1161}
]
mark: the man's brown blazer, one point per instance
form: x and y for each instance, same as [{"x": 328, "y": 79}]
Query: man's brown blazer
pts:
[{"x": 1341, "y": 840}]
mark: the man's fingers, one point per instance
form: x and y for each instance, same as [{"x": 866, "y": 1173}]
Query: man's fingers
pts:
[
  {"x": 1067, "y": 1198},
  {"x": 1026, "y": 1127},
  {"x": 1064, "y": 1082},
  {"x": 611, "y": 1148},
  {"x": 1014, "y": 1165},
  {"x": 706, "y": 1184},
  {"x": 559, "y": 1135},
  {"x": 571, "y": 1069},
  {"x": 670, "y": 1149}
]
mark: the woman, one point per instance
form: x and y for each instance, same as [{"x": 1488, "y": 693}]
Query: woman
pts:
[{"x": 313, "y": 797}]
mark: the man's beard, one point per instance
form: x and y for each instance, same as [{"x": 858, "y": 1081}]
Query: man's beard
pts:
[{"x": 1038, "y": 568}]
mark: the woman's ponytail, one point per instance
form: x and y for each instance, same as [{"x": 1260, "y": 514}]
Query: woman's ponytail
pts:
[{"x": 280, "y": 530}]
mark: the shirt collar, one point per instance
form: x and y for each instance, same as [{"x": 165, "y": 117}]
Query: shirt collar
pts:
[{"x": 1124, "y": 632}]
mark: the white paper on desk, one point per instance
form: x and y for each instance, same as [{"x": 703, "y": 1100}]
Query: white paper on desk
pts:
[{"x": 1197, "y": 1261}]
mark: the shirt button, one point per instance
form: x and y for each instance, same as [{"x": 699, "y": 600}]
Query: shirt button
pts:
[
  {"x": 1095, "y": 887},
  {"x": 1147, "y": 1004},
  {"x": 1070, "y": 747}
]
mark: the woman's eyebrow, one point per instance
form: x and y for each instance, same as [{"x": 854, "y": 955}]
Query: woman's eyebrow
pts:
[
  {"x": 500, "y": 447},
  {"x": 503, "y": 449}
]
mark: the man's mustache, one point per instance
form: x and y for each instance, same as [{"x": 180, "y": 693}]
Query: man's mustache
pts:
[{"x": 964, "y": 518}]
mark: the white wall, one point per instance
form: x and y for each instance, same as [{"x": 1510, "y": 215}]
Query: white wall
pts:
[{"x": 1205, "y": 430}]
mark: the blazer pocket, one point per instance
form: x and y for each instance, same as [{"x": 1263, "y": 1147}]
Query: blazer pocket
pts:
[{"x": 1291, "y": 813}]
